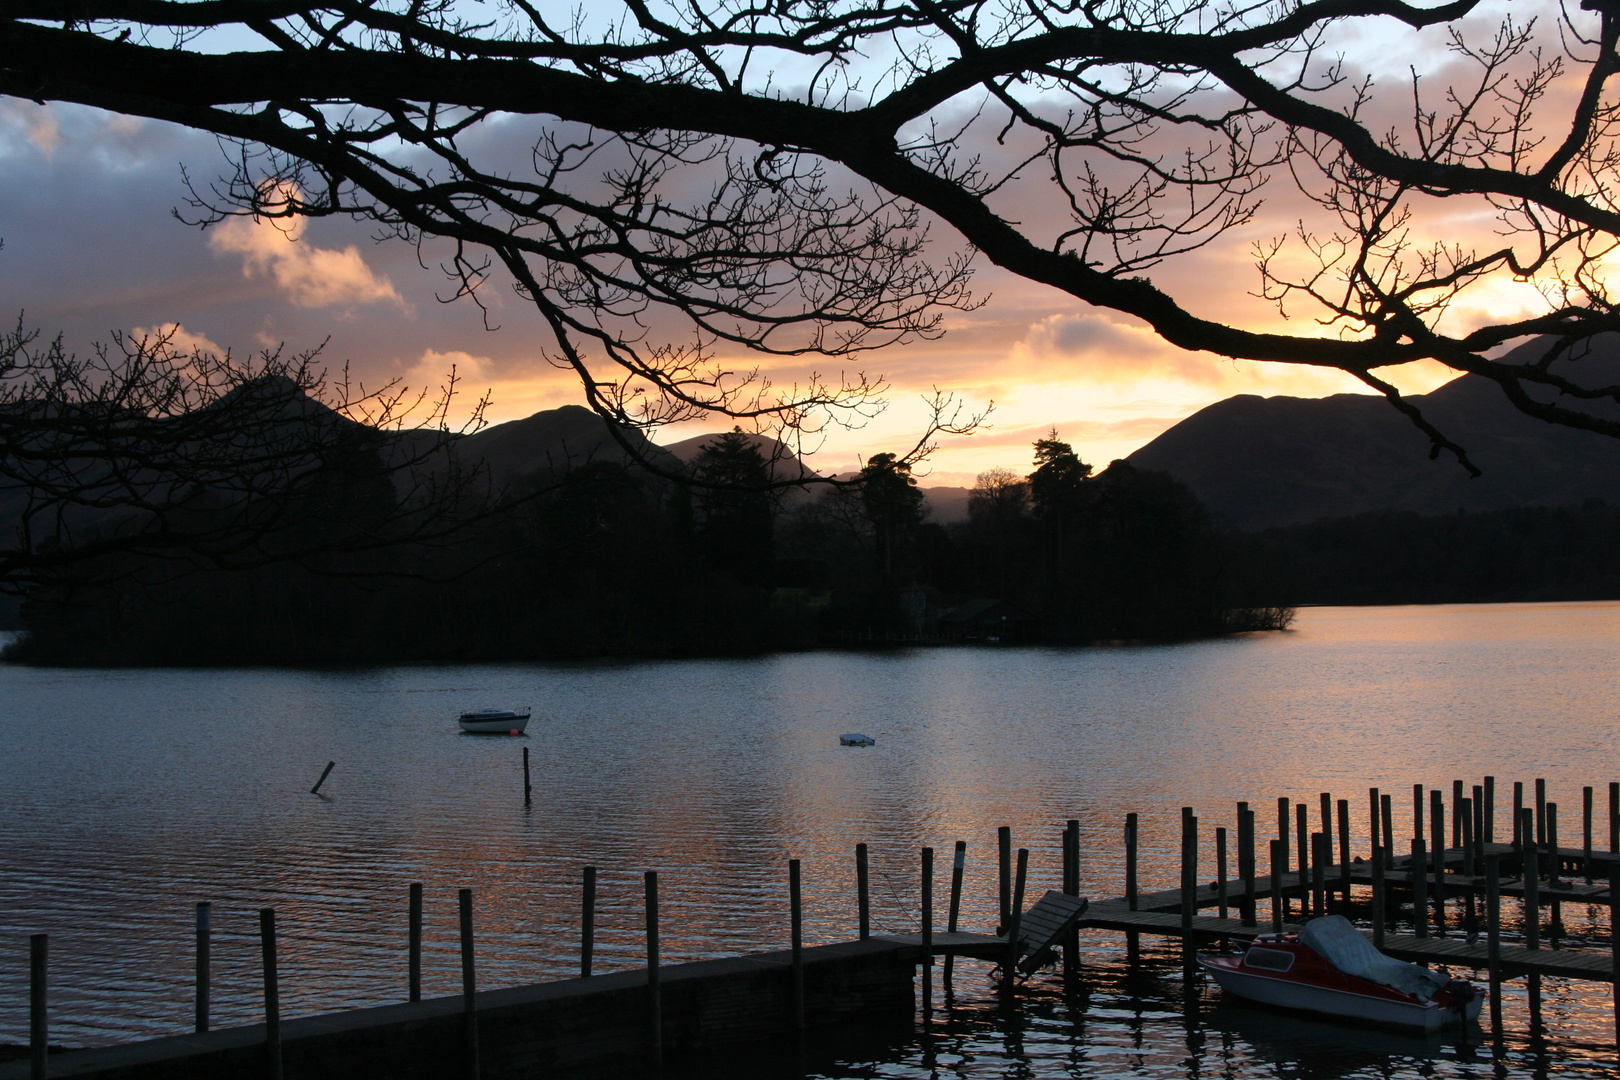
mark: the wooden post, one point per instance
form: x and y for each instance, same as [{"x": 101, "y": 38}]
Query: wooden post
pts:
[
  {"x": 1417, "y": 811},
  {"x": 1305, "y": 858},
  {"x": 205, "y": 918},
  {"x": 1220, "y": 869},
  {"x": 1479, "y": 827},
  {"x": 1373, "y": 831},
  {"x": 928, "y": 928},
  {"x": 1277, "y": 857},
  {"x": 1488, "y": 833},
  {"x": 1327, "y": 820},
  {"x": 1541, "y": 813},
  {"x": 957, "y": 867},
  {"x": 796, "y": 923},
  {"x": 1009, "y": 968},
  {"x": 1614, "y": 943},
  {"x": 1555, "y": 857},
  {"x": 1465, "y": 824},
  {"x": 1518, "y": 814},
  {"x": 1493, "y": 937},
  {"x": 1420, "y": 892},
  {"x": 1586, "y": 833},
  {"x": 1004, "y": 869},
  {"x": 413, "y": 948},
  {"x": 1284, "y": 822},
  {"x": 1344, "y": 850},
  {"x": 1437, "y": 834},
  {"x": 1071, "y": 886},
  {"x": 587, "y": 923},
  {"x": 272, "y": 994},
  {"x": 1614, "y": 817},
  {"x": 1320, "y": 847},
  {"x": 1532, "y": 884},
  {"x": 39, "y": 1031},
  {"x": 528, "y": 788},
  {"x": 1456, "y": 812},
  {"x": 655, "y": 1000},
  {"x": 863, "y": 893},
  {"x": 1246, "y": 865},
  {"x": 1377, "y": 857},
  {"x": 1189, "y": 875},
  {"x": 1130, "y": 861},
  {"x": 469, "y": 985},
  {"x": 1386, "y": 806},
  {"x": 316, "y": 790}
]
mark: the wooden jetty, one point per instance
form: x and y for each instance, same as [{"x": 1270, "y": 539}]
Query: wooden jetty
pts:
[{"x": 629, "y": 1022}]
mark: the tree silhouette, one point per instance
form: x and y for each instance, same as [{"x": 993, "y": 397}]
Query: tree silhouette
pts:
[
  {"x": 737, "y": 512},
  {"x": 745, "y": 176}
]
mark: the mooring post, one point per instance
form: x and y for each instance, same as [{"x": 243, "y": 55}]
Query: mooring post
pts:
[
  {"x": 1532, "y": 885},
  {"x": 1071, "y": 887},
  {"x": 1417, "y": 811},
  {"x": 469, "y": 985},
  {"x": 1377, "y": 856},
  {"x": 957, "y": 866},
  {"x": 1277, "y": 857},
  {"x": 1284, "y": 823},
  {"x": 1465, "y": 818},
  {"x": 1555, "y": 857},
  {"x": 1246, "y": 863},
  {"x": 1130, "y": 861},
  {"x": 1541, "y": 813},
  {"x": 1614, "y": 817},
  {"x": 1386, "y": 807},
  {"x": 1305, "y": 858},
  {"x": 796, "y": 924},
  {"x": 1220, "y": 869},
  {"x": 1327, "y": 819},
  {"x": 863, "y": 892},
  {"x": 413, "y": 948},
  {"x": 1479, "y": 826},
  {"x": 587, "y": 923},
  {"x": 1518, "y": 816},
  {"x": 204, "y": 927},
  {"x": 1189, "y": 875},
  {"x": 528, "y": 788},
  {"x": 1456, "y": 812},
  {"x": 272, "y": 994},
  {"x": 38, "y": 1026},
  {"x": 316, "y": 790},
  {"x": 1437, "y": 859},
  {"x": 1420, "y": 892},
  {"x": 1373, "y": 832},
  {"x": 1614, "y": 945},
  {"x": 1010, "y": 964},
  {"x": 1487, "y": 833},
  {"x": 928, "y": 928},
  {"x": 1586, "y": 833},
  {"x": 655, "y": 1002},
  {"x": 1493, "y": 937},
  {"x": 1320, "y": 855},
  {"x": 1004, "y": 872},
  {"x": 1344, "y": 850}
]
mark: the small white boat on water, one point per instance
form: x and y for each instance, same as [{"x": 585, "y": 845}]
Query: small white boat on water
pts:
[
  {"x": 1330, "y": 969},
  {"x": 494, "y": 721}
]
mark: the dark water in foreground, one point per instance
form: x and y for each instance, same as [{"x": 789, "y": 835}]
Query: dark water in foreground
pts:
[{"x": 128, "y": 795}]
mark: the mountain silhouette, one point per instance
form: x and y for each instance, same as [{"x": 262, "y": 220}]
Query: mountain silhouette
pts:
[{"x": 1257, "y": 462}]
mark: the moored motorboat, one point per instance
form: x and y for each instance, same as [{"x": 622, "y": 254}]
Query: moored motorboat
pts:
[
  {"x": 494, "y": 721},
  {"x": 1330, "y": 969}
]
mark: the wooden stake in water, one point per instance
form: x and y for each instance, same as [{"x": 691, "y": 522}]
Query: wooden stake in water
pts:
[
  {"x": 796, "y": 931},
  {"x": 1130, "y": 861},
  {"x": 1518, "y": 814},
  {"x": 1344, "y": 850},
  {"x": 1321, "y": 845},
  {"x": 1220, "y": 869},
  {"x": 469, "y": 984},
  {"x": 204, "y": 928},
  {"x": 1456, "y": 813},
  {"x": 1417, "y": 811},
  {"x": 1303, "y": 825},
  {"x": 1327, "y": 817},
  {"x": 1555, "y": 857},
  {"x": 272, "y": 994},
  {"x": 528, "y": 789},
  {"x": 1420, "y": 892},
  {"x": 1246, "y": 869},
  {"x": 413, "y": 960},
  {"x": 1479, "y": 826},
  {"x": 1010, "y": 964},
  {"x": 1386, "y": 807},
  {"x": 1437, "y": 858},
  {"x": 1378, "y": 894},
  {"x": 1189, "y": 875},
  {"x": 1541, "y": 813},
  {"x": 587, "y": 923},
  {"x": 1532, "y": 884},
  {"x": 655, "y": 998},
  {"x": 928, "y": 928},
  {"x": 863, "y": 892},
  {"x": 1277, "y": 857},
  {"x": 1071, "y": 887},
  {"x": 1375, "y": 835},
  {"x": 1493, "y": 937},
  {"x": 1004, "y": 869},
  {"x": 39, "y": 1032},
  {"x": 316, "y": 790},
  {"x": 1488, "y": 831},
  {"x": 958, "y": 864},
  {"x": 1586, "y": 833}
]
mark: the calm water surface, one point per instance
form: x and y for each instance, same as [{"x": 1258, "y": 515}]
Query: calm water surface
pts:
[{"x": 131, "y": 794}]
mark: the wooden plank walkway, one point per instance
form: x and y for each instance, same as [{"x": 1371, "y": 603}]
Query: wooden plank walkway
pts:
[{"x": 1041, "y": 926}]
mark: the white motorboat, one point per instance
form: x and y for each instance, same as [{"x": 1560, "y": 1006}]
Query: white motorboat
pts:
[
  {"x": 1330, "y": 969},
  {"x": 494, "y": 722}
]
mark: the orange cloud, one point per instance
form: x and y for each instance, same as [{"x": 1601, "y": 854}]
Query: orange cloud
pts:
[{"x": 309, "y": 276}]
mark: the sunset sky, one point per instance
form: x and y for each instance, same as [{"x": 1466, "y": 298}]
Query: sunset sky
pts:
[{"x": 91, "y": 245}]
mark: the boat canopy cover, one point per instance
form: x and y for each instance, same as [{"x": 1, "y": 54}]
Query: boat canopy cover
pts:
[{"x": 1339, "y": 943}]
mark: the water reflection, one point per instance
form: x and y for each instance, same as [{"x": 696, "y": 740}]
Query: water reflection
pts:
[{"x": 132, "y": 794}]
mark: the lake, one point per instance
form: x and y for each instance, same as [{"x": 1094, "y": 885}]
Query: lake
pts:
[{"x": 132, "y": 794}]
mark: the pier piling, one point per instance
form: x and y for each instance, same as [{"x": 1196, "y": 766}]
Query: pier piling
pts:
[
  {"x": 1246, "y": 863},
  {"x": 38, "y": 1025},
  {"x": 469, "y": 983},
  {"x": 863, "y": 892},
  {"x": 1493, "y": 938},
  {"x": 205, "y": 912},
  {"x": 1278, "y": 855},
  {"x": 958, "y": 864},
  {"x": 1420, "y": 892},
  {"x": 1004, "y": 872},
  {"x": 796, "y": 930},
  {"x": 587, "y": 923},
  {"x": 272, "y": 994},
  {"x": 655, "y": 1002},
  {"x": 1378, "y": 897},
  {"x": 413, "y": 948}
]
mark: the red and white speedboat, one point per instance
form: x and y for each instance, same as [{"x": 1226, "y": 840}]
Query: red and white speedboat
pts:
[{"x": 1330, "y": 969}]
